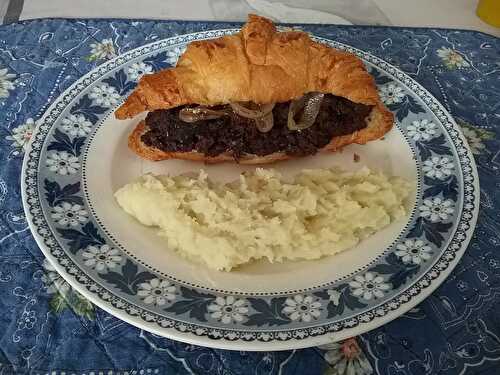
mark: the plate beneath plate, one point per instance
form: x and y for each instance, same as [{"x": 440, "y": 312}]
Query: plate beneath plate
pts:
[{"x": 79, "y": 157}]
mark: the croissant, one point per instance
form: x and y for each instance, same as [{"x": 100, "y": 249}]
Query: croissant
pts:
[{"x": 258, "y": 65}]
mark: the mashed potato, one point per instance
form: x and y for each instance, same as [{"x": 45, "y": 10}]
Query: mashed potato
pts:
[{"x": 320, "y": 212}]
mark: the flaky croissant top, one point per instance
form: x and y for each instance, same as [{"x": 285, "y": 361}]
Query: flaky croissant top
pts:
[{"x": 257, "y": 64}]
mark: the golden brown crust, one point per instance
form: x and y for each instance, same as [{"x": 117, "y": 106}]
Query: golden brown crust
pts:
[
  {"x": 261, "y": 65},
  {"x": 257, "y": 64}
]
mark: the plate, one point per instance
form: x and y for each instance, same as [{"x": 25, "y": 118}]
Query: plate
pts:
[{"x": 79, "y": 157}]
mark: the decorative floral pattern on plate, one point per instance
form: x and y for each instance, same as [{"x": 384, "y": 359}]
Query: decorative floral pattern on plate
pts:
[
  {"x": 105, "y": 95},
  {"x": 76, "y": 125},
  {"x": 414, "y": 251},
  {"x": 173, "y": 55},
  {"x": 421, "y": 130},
  {"x": 67, "y": 214},
  {"x": 156, "y": 291},
  {"x": 438, "y": 167},
  {"x": 369, "y": 286},
  {"x": 228, "y": 309},
  {"x": 446, "y": 171},
  {"x": 102, "y": 258},
  {"x": 302, "y": 308},
  {"x": 63, "y": 163},
  {"x": 391, "y": 94},
  {"x": 137, "y": 70},
  {"x": 436, "y": 209}
]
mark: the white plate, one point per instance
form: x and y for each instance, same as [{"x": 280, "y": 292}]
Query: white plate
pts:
[{"x": 79, "y": 170}]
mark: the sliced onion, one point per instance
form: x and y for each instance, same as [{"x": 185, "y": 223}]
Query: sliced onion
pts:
[
  {"x": 265, "y": 124},
  {"x": 200, "y": 113},
  {"x": 310, "y": 103},
  {"x": 243, "y": 110}
]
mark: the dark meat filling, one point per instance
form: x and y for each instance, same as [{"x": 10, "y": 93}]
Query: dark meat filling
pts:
[{"x": 239, "y": 135}]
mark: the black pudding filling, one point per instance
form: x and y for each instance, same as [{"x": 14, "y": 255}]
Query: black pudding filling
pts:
[{"x": 239, "y": 136}]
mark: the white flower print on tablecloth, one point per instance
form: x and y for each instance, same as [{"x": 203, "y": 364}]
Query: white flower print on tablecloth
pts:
[
  {"x": 451, "y": 58},
  {"x": 102, "y": 50},
  {"x": 76, "y": 125},
  {"x": 474, "y": 140},
  {"x": 421, "y": 130},
  {"x": 368, "y": 286},
  {"x": 63, "y": 163},
  {"x": 63, "y": 296},
  {"x": 21, "y": 135},
  {"x": 346, "y": 358},
  {"x": 6, "y": 83},
  {"x": 413, "y": 251},
  {"x": 462, "y": 285},
  {"x": 67, "y": 214},
  {"x": 27, "y": 320},
  {"x": 157, "y": 292},
  {"x": 437, "y": 209},
  {"x": 104, "y": 95},
  {"x": 53, "y": 282},
  {"x": 228, "y": 309},
  {"x": 173, "y": 54},
  {"x": 137, "y": 70},
  {"x": 438, "y": 167},
  {"x": 475, "y": 137},
  {"x": 302, "y": 308},
  {"x": 102, "y": 258},
  {"x": 391, "y": 94}
]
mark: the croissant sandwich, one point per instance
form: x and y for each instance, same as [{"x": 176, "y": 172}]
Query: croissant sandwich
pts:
[{"x": 255, "y": 97}]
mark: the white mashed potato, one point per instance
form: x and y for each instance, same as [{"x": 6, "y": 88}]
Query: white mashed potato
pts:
[{"x": 320, "y": 212}]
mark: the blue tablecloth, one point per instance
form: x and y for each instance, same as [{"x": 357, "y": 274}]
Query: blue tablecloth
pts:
[{"x": 45, "y": 327}]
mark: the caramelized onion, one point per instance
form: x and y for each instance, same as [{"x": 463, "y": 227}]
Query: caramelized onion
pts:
[
  {"x": 243, "y": 110},
  {"x": 263, "y": 115},
  {"x": 200, "y": 113},
  {"x": 265, "y": 124},
  {"x": 309, "y": 105}
]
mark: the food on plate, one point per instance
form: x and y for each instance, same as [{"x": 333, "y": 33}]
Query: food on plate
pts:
[
  {"x": 255, "y": 97},
  {"x": 319, "y": 212}
]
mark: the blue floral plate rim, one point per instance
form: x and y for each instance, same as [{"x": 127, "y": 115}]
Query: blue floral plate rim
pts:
[{"x": 203, "y": 329}]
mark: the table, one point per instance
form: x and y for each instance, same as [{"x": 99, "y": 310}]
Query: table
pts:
[
  {"x": 47, "y": 328},
  {"x": 445, "y": 13}
]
